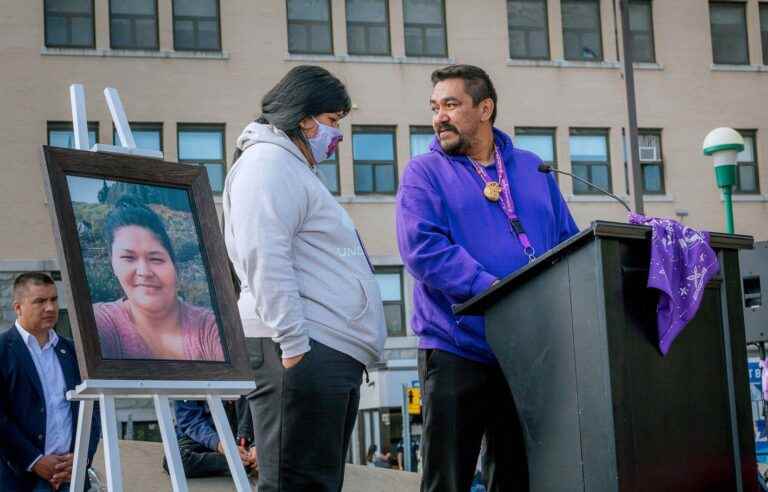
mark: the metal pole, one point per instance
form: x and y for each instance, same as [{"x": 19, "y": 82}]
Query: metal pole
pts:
[
  {"x": 110, "y": 443},
  {"x": 406, "y": 431},
  {"x": 633, "y": 156},
  {"x": 236, "y": 469},
  {"x": 79, "y": 116},
  {"x": 82, "y": 441},
  {"x": 170, "y": 443},
  {"x": 728, "y": 205}
]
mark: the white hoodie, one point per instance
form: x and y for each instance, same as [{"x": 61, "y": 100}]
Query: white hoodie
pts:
[{"x": 302, "y": 269}]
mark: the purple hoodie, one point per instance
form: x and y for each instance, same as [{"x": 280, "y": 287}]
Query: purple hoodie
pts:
[{"x": 456, "y": 243}]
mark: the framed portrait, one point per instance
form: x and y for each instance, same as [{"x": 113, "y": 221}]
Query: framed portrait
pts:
[{"x": 141, "y": 251}]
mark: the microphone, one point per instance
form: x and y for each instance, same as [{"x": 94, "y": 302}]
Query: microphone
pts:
[{"x": 546, "y": 168}]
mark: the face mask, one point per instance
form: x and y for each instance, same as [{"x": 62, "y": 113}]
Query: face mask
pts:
[{"x": 324, "y": 143}]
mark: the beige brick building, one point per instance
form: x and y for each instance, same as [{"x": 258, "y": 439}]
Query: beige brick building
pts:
[{"x": 192, "y": 72}]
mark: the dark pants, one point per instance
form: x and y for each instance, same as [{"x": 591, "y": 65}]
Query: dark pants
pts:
[
  {"x": 303, "y": 418},
  {"x": 199, "y": 461},
  {"x": 464, "y": 400},
  {"x": 244, "y": 428}
]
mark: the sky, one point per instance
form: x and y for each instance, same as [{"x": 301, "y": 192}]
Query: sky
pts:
[{"x": 85, "y": 190}]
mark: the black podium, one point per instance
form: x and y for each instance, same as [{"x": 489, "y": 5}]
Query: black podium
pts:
[{"x": 601, "y": 408}]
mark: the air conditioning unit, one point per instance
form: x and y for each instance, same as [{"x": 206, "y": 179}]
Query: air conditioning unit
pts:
[{"x": 648, "y": 154}]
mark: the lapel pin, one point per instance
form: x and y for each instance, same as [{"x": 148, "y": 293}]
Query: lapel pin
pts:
[{"x": 63, "y": 351}]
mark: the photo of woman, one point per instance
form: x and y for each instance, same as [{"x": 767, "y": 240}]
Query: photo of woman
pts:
[
  {"x": 150, "y": 322},
  {"x": 149, "y": 287}
]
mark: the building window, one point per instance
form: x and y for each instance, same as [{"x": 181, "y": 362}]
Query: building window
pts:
[
  {"x": 582, "y": 35},
  {"x": 425, "y": 28},
  {"x": 590, "y": 160},
  {"x": 69, "y": 24},
  {"x": 60, "y": 134},
  {"x": 764, "y": 30},
  {"x": 729, "y": 33},
  {"x": 421, "y": 138},
  {"x": 309, "y": 27},
  {"x": 368, "y": 27},
  {"x": 196, "y": 25},
  {"x": 641, "y": 31},
  {"x": 528, "y": 29},
  {"x": 375, "y": 167},
  {"x": 147, "y": 136},
  {"x": 133, "y": 24},
  {"x": 651, "y": 161},
  {"x": 203, "y": 145},
  {"x": 747, "y": 178},
  {"x": 540, "y": 141},
  {"x": 329, "y": 173},
  {"x": 390, "y": 281}
]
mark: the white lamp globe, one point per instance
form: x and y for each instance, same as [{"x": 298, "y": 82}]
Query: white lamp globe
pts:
[{"x": 724, "y": 145}]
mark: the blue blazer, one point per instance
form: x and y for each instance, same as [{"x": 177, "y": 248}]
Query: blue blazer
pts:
[{"x": 23, "y": 412}]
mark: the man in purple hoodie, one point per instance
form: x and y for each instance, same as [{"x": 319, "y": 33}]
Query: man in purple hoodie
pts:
[{"x": 471, "y": 211}]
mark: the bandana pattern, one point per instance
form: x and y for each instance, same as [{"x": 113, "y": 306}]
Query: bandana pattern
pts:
[{"x": 682, "y": 263}]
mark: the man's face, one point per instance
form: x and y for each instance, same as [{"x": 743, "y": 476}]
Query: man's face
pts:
[
  {"x": 455, "y": 117},
  {"x": 37, "y": 307}
]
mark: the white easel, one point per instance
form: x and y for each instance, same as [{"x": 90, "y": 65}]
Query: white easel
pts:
[
  {"x": 161, "y": 392},
  {"x": 106, "y": 391}
]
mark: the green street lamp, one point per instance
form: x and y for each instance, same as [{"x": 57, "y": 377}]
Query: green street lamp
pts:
[{"x": 724, "y": 145}]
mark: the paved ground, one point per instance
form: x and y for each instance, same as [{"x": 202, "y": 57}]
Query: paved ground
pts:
[{"x": 142, "y": 472}]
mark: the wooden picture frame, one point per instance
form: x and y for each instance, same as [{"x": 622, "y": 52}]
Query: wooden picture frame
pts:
[{"x": 62, "y": 167}]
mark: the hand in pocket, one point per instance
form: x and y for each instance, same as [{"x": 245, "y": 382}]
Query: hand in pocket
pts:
[{"x": 289, "y": 362}]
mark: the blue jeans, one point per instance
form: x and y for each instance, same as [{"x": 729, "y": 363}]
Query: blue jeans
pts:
[{"x": 45, "y": 486}]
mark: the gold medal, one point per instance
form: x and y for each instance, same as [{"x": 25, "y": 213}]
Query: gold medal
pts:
[{"x": 492, "y": 191}]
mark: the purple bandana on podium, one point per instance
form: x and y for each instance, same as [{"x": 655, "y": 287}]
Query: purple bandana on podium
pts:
[{"x": 682, "y": 262}]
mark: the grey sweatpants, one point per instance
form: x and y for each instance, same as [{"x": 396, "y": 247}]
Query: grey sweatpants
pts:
[{"x": 303, "y": 416}]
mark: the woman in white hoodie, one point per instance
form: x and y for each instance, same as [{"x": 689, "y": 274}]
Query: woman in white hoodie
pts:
[{"x": 310, "y": 305}]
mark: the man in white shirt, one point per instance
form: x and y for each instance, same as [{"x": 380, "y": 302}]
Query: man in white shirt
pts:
[{"x": 37, "y": 368}]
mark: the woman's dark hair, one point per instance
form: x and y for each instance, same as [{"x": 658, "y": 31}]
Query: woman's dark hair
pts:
[
  {"x": 477, "y": 83},
  {"x": 305, "y": 91},
  {"x": 129, "y": 211}
]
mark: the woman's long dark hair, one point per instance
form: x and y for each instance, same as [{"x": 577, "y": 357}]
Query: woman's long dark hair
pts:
[{"x": 306, "y": 90}]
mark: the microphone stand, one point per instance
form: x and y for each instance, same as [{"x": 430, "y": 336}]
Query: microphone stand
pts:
[{"x": 546, "y": 168}]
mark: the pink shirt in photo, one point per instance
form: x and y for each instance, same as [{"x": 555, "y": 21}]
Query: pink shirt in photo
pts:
[{"x": 120, "y": 340}]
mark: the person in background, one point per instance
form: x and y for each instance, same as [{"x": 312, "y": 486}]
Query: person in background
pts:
[
  {"x": 397, "y": 458},
  {"x": 309, "y": 301},
  {"x": 763, "y": 363},
  {"x": 382, "y": 460},
  {"x": 370, "y": 456},
  {"x": 202, "y": 452},
  {"x": 37, "y": 368}
]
